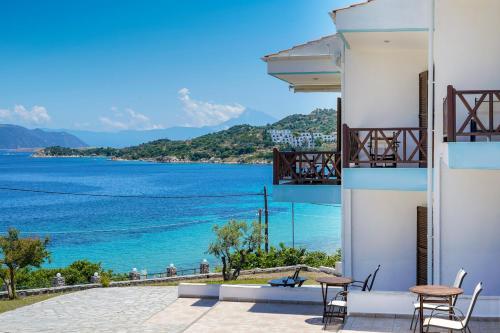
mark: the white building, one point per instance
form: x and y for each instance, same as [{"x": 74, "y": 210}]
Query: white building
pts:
[
  {"x": 420, "y": 62},
  {"x": 304, "y": 140}
]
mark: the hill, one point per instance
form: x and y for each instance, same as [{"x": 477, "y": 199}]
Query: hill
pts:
[
  {"x": 238, "y": 144},
  {"x": 18, "y": 137},
  {"x": 128, "y": 138}
]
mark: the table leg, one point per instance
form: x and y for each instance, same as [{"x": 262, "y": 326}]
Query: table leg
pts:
[
  {"x": 450, "y": 303},
  {"x": 324, "y": 293},
  {"x": 421, "y": 313}
]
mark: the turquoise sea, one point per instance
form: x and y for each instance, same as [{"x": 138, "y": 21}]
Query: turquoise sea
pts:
[{"x": 146, "y": 233}]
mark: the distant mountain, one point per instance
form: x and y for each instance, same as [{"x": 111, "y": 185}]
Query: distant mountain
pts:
[
  {"x": 18, "y": 137},
  {"x": 238, "y": 144},
  {"x": 131, "y": 138}
]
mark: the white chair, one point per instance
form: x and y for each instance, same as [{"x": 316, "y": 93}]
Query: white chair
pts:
[
  {"x": 459, "y": 322},
  {"x": 433, "y": 306}
]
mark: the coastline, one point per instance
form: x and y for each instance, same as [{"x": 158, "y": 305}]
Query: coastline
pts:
[{"x": 163, "y": 159}]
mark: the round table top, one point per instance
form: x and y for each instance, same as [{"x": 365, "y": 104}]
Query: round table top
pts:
[
  {"x": 436, "y": 290},
  {"x": 334, "y": 280}
]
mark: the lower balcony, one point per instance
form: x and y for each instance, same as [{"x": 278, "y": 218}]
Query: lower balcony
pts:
[
  {"x": 384, "y": 158},
  {"x": 307, "y": 176}
]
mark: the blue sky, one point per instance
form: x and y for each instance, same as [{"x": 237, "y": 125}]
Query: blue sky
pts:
[{"x": 111, "y": 65}]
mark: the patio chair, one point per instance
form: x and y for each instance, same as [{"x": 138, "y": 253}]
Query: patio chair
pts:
[
  {"x": 373, "y": 278},
  {"x": 459, "y": 279},
  {"x": 363, "y": 285},
  {"x": 459, "y": 322},
  {"x": 337, "y": 307},
  {"x": 290, "y": 281}
]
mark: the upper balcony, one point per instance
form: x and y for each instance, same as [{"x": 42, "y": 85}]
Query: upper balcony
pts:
[
  {"x": 471, "y": 129},
  {"x": 392, "y": 158}
]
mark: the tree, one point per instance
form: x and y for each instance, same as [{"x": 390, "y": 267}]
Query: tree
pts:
[
  {"x": 19, "y": 253},
  {"x": 234, "y": 242}
]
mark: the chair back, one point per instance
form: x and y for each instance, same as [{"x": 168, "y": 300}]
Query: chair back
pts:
[
  {"x": 458, "y": 282},
  {"x": 296, "y": 274},
  {"x": 373, "y": 278},
  {"x": 473, "y": 301},
  {"x": 365, "y": 284}
]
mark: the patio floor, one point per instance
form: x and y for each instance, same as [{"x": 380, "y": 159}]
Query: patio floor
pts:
[{"x": 157, "y": 309}]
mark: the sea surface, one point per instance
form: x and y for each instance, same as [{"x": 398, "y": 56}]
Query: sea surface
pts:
[{"x": 147, "y": 233}]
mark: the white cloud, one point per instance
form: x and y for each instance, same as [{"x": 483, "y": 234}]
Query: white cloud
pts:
[
  {"x": 202, "y": 113},
  {"x": 21, "y": 115},
  {"x": 128, "y": 120}
]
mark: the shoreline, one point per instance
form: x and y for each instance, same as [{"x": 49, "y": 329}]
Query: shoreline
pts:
[{"x": 154, "y": 160}]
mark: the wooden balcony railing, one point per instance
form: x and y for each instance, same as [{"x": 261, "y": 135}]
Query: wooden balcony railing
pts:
[
  {"x": 384, "y": 147},
  {"x": 469, "y": 115},
  {"x": 306, "y": 167}
]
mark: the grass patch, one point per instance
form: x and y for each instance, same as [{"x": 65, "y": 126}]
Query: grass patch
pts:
[{"x": 8, "y": 305}]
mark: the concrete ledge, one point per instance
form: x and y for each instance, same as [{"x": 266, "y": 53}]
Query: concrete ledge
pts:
[
  {"x": 400, "y": 304},
  {"x": 262, "y": 293},
  {"x": 198, "y": 290}
]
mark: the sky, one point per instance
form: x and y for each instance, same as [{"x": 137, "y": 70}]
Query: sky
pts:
[{"x": 116, "y": 65}]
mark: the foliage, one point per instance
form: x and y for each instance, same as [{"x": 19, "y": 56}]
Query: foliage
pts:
[
  {"x": 287, "y": 256},
  {"x": 235, "y": 242},
  {"x": 105, "y": 280},
  {"x": 19, "y": 253},
  {"x": 241, "y": 143}
]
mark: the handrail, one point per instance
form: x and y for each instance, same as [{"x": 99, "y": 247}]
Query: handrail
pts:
[
  {"x": 460, "y": 110},
  {"x": 384, "y": 147},
  {"x": 306, "y": 167}
]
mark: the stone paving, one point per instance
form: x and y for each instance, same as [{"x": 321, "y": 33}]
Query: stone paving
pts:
[
  {"x": 94, "y": 310},
  {"x": 157, "y": 309}
]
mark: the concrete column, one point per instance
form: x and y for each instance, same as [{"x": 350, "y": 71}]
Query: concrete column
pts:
[
  {"x": 171, "y": 270},
  {"x": 95, "y": 278},
  {"x": 204, "y": 267},
  {"x": 134, "y": 274},
  {"x": 58, "y": 281}
]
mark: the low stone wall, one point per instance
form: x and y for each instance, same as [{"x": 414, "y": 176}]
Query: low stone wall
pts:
[
  {"x": 172, "y": 279},
  {"x": 52, "y": 290}
]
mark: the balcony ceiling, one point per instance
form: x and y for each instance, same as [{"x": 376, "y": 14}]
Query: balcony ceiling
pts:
[
  {"x": 387, "y": 40},
  {"x": 310, "y": 67}
]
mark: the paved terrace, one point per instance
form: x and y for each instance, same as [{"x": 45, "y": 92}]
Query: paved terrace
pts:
[{"x": 157, "y": 309}]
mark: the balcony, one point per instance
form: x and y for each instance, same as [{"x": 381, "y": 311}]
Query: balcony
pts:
[
  {"x": 392, "y": 158},
  {"x": 471, "y": 129},
  {"x": 306, "y": 176}
]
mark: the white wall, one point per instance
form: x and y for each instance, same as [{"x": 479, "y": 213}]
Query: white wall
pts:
[
  {"x": 383, "y": 14},
  {"x": 467, "y": 48},
  {"x": 384, "y": 232},
  {"x": 470, "y": 227},
  {"x": 382, "y": 87},
  {"x": 466, "y": 55}
]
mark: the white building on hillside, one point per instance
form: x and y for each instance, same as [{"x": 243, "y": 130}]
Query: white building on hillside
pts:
[
  {"x": 303, "y": 140},
  {"x": 421, "y": 208}
]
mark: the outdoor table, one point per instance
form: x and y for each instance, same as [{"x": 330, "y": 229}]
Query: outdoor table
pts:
[
  {"x": 287, "y": 282},
  {"x": 436, "y": 291},
  {"x": 331, "y": 281}
]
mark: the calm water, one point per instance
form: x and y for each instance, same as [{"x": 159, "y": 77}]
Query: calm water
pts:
[{"x": 146, "y": 233}]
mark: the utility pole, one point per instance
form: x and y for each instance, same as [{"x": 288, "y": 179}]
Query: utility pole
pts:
[
  {"x": 266, "y": 221},
  {"x": 293, "y": 225},
  {"x": 260, "y": 229}
]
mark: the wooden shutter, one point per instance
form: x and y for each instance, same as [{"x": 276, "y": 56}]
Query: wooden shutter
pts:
[
  {"x": 423, "y": 79},
  {"x": 421, "y": 245}
]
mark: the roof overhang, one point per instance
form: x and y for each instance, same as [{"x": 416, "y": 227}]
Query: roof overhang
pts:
[
  {"x": 403, "y": 23},
  {"x": 310, "y": 67}
]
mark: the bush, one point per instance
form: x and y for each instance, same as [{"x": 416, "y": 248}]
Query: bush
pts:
[{"x": 287, "y": 256}]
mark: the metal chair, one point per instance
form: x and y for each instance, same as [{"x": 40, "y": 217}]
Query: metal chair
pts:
[
  {"x": 459, "y": 279},
  {"x": 363, "y": 285},
  {"x": 459, "y": 322},
  {"x": 373, "y": 278}
]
